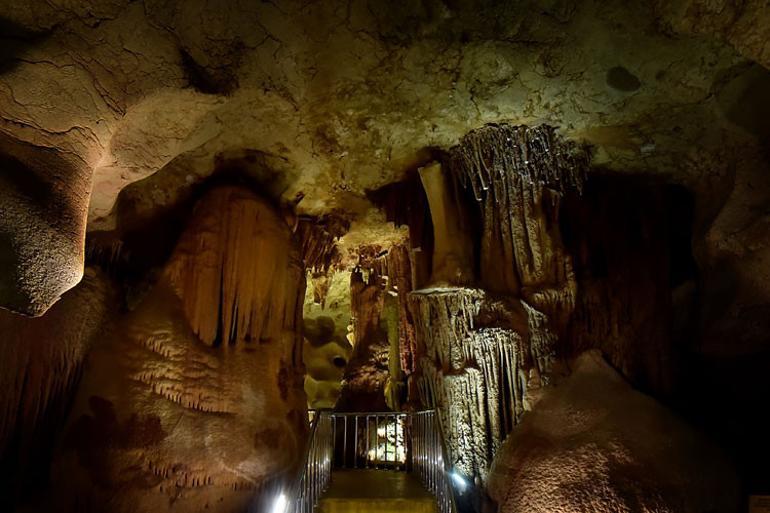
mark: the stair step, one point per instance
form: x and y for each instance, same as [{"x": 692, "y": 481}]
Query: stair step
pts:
[{"x": 360, "y": 505}]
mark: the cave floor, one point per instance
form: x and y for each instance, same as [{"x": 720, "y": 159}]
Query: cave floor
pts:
[{"x": 376, "y": 491}]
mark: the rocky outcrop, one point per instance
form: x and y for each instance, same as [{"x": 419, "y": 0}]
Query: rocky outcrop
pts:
[
  {"x": 595, "y": 444},
  {"x": 195, "y": 399},
  {"x": 44, "y": 197}
]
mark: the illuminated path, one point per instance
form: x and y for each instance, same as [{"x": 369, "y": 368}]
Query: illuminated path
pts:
[{"x": 376, "y": 491}]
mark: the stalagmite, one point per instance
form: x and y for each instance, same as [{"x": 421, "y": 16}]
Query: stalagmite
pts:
[
  {"x": 474, "y": 375},
  {"x": 382, "y": 325},
  {"x": 452, "y": 244},
  {"x": 363, "y": 385}
]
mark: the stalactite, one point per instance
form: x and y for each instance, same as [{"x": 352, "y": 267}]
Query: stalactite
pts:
[
  {"x": 317, "y": 239},
  {"x": 405, "y": 203},
  {"x": 487, "y": 155},
  {"x": 518, "y": 174},
  {"x": 230, "y": 271},
  {"x": 542, "y": 340},
  {"x": 452, "y": 244},
  {"x": 107, "y": 252}
]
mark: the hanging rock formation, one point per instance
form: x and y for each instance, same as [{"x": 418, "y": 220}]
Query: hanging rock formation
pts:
[
  {"x": 232, "y": 275},
  {"x": 484, "y": 351},
  {"x": 518, "y": 174},
  {"x": 44, "y": 195},
  {"x": 595, "y": 444},
  {"x": 194, "y": 400},
  {"x": 452, "y": 243}
]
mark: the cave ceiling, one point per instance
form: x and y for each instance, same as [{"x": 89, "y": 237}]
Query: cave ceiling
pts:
[{"x": 324, "y": 100}]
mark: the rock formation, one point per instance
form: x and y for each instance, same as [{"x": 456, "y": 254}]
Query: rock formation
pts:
[
  {"x": 194, "y": 401},
  {"x": 452, "y": 243},
  {"x": 325, "y": 355},
  {"x": 383, "y": 332},
  {"x": 44, "y": 198},
  {"x": 44, "y": 358},
  {"x": 595, "y": 444}
]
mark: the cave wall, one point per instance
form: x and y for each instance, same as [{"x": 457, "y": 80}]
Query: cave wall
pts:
[
  {"x": 43, "y": 359},
  {"x": 673, "y": 89},
  {"x": 623, "y": 234},
  {"x": 323, "y": 84},
  {"x": 194, "y": 400}
]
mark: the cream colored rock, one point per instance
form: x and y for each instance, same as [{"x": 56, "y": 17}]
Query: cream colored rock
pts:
[{"x": 452, "y": 243}]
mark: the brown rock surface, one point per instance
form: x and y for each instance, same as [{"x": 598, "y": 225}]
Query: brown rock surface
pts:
[
  {"x": 42, "y": 360},
  {"x": 595, "y": 444},
  {"x": 337, "y": 98},
  {"x": 194, "y": 401}
]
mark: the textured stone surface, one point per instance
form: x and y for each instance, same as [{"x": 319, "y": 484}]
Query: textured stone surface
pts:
[
  {"x": 44, "y": 197},
  {"x": 320, "y": 102},
  {"x": 338, "y": 97},
  {"x": 595, "y": 444},
  {"x": 171, "y": 416}
]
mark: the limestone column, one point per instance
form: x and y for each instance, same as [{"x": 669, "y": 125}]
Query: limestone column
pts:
[{"x": 453, "y": 246}]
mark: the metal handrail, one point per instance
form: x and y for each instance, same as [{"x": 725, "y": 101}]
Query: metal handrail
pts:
[
  {"x": 313, "y": 479},
  {"x": 357, "y": 445},
  {"x": 427, "y": 454},
  {"x": 431, "y": 460}
]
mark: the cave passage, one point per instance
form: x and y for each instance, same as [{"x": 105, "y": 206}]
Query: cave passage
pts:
[{"x": 443, "y": 256}]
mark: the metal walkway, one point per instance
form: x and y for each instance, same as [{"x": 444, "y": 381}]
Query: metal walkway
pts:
[{"x": 374, "y": 463}]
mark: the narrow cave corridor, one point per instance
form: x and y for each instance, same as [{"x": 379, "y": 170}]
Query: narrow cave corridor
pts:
[{"x": 365, "y": 256}]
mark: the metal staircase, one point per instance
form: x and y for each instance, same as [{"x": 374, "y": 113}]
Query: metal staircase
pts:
[{"x": 397, "y": 442}]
